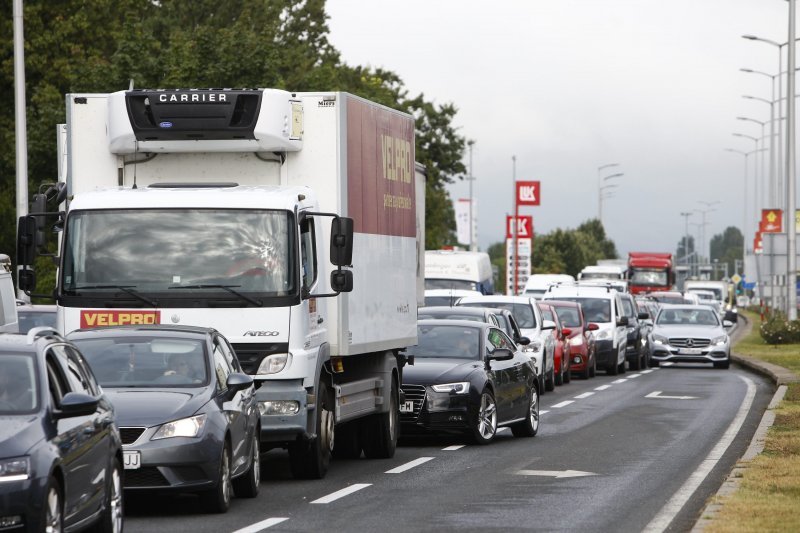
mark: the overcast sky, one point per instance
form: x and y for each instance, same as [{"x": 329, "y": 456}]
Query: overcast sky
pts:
[{"x": 569, "y": 85}]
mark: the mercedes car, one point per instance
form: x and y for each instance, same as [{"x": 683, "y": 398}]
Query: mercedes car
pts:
[{"x": 690, "y": 334}]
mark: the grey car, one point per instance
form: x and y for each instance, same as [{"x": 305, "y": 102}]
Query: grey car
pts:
[
  {"x": 690, "y": 334},
  {"x": 186, "y": 411}
]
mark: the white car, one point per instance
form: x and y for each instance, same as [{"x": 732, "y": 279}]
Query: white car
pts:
[
  {"x": 690, "y": 334},
  {"x": 601, "y": 306},
  {"x": 542, "y": 343},
  {"x": 446, "y": 297}
]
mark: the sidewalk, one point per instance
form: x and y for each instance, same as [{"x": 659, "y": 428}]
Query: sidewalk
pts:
[{"x": 781, "y": 376}]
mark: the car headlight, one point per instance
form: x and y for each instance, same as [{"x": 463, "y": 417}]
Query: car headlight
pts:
[
  {"x": 660, "y": 339},
  {"x": 719, "y": 341},
  {"x": 274, "y": 363},
  {"x": 603, "y": 334},
  {"x": 454, "y": 388},
  {"x": 185, "y": 427},
  {"x": 15, "y": 469},
  {"x": 534, "y": 346},
  {"x": 577, "y": 340}
]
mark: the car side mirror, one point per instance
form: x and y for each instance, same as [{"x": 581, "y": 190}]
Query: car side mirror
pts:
[
  {"x": 727, "y": 324},
  {"x": 622, "y": 321},
  {"x": 592, "y": 327},
  {"x": 524, "y": 341},
  {"x": 501, "y": 354},
  {"x": 643, "y": 316},
  {"x": 76, "y": 404},
  {"x": 566, "y": 332},
  {"x": 548, "y": 324},
  {"x": 237, "y": 382}
]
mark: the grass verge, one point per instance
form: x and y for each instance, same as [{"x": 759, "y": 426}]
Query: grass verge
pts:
[{"x": 769, "y": 494}]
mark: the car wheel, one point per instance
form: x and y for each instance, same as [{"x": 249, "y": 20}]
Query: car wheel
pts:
[
  {"x": 530, "y": 426},
  {"x": 379, "y": 432},
  {"x": 218, "y": 499},
  {"x": 593, "y": 370},
  {"x": 485, "y": 424},
  {"x": 613, "y": 368},
  {"x": 654, "y": 363},
  {"x": 722, "y": 364},
  {"x": 550, "y": 377},
  {"x": 111, "y": 519},
  {"x": 568, "y": 370},
  {"x": 559, "y": 377},
  {"x": 310, "y": 460},
  {"x": 247, "y": 485},
  {"x": 636, "y": 363},
  {"x": 53, "y": 518},
  {"x": 623, "y": 367}
]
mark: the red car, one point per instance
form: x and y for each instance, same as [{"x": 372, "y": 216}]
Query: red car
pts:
[
  {"x": 561, "y": 359},
  {"x": 579, "y": 338}
]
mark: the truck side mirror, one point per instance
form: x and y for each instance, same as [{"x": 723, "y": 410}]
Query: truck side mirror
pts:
[
  {"x": 342, "y": 280},
  {"x": 39, "y": 207},
  {"x": 342, "y": 241},
  {"x": 26, "y": 240}
]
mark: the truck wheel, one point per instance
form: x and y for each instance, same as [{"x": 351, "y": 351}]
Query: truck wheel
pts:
[
  {"x": 379, "y": 434},
  {"x": 348, "y": 441},
  {"x": 310, "y": 460}
]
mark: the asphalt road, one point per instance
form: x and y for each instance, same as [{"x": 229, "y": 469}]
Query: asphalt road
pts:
[{"x": 621, "y": 453}]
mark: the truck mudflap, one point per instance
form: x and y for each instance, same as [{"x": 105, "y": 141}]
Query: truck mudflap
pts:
[{"x": 277, "y": 403}]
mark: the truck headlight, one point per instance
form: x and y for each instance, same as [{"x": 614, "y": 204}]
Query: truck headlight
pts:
[
  {"x": 719, "y": 341},
  {"x": 185, "y": 427},
  {"x": 455, "y": 388},
  {"x": 274, "y": 363},
  {"x": 15, "y": 469},
  {"x": 660, "y": 339},
  {"x": 279, "y": 407}
]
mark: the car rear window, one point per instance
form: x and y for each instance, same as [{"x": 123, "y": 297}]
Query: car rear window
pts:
[
  {"x": 522, "y": 313},
  {"x": 447, "y": 342},
  {"x": 594, "y": 309}
]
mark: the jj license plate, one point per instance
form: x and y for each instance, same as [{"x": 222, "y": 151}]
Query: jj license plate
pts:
[
  {"x": 131, "y": 460},
  {"x": 407, "y": 407},
  {"x": 690, "y": 351}
]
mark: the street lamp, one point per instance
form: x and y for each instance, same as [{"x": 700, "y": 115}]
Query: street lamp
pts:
[
  {"x": 686, "y": 216},
  {"x": 744, "y": 198},
  {"x": 709, "y": 209},
  {"x": 773, "y": 193},
  {"x": 756, "y": 174},
  {"x": 471, "y": 178},
  {"x": 600, "y": 187}
]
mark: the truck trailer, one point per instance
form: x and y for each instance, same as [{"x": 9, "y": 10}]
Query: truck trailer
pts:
[{"x": 290, "y": 222}]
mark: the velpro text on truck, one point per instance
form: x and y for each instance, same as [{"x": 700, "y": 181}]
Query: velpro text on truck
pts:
[{"x": 287, "y": 221}]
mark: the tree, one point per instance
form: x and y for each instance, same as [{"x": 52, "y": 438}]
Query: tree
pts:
[{"x": 727, "y": 247}]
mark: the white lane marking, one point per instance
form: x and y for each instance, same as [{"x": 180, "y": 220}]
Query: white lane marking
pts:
[
  {"x": 603, "y": 387},
  {"x": 679, "y": 499},
  {"x": 634, "y": 376},
  {"x": 409, "y": 466},
  {"x": 342, "y": 493},
  {"x": 563, "y": 404},
  {"x": 584, "y": 395},
  {"x": 649, "y": 370},
  {"x": 453, "y": 448},
  {"x": 260, "y": 526},
  {"x": 623, "y": 380},
  {"x": 657, "y": 394},
  {"x": 555, "y": 473},
  {"x": 543, "y": 412}
]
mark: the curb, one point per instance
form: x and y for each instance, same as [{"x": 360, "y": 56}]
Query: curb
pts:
[{"x": 781, "y": 376}]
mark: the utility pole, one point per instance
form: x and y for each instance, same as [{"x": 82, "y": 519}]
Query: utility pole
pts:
[
  {"x": 472, "y": 244},
  {"x": 686, "y": 215},
  {"x": 19, "y": 117},
  {"x": 791, "y": 201}
]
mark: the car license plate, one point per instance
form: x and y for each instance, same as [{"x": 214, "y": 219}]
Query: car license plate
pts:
[
  {"x": 407, "y": 407},
  {"x": 131, "y": 460},
  {"x": 690, "y": 351}
]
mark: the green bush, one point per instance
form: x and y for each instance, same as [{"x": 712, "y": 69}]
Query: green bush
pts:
[{"x": 776, "y": 329}]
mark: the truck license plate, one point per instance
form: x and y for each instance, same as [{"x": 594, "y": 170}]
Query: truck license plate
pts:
[
  {"x": 407, "y": 407},
  {"x": 691, "y": 351},
  {"x": 131, "y": 460}
]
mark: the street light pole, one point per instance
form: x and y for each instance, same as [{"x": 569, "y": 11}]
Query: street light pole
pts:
[
  {"x": 758, "y": 190},
  {"x": 774, "y": 162},
  {"x": 791, "y": 248},
  {"x": 471, "y": 178},
  {"x": 20, "y": 118},
  {"x": 686, "y": 215},
  {"x": 599, "y": 189}
]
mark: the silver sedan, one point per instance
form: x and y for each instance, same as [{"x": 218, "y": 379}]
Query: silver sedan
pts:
[{"x": 690, "y": 334}]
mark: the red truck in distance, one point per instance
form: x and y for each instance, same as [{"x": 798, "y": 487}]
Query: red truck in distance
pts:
[{"x": 650, "y": 272}]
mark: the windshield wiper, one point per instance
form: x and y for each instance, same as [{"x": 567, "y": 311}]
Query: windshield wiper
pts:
[
  {"x": 124, "y": 288},
  {"x": 228, "y": 288}
]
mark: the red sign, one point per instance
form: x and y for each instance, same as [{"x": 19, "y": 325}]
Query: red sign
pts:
[
  {"x": 771, "y": 221},
  {"x": 528, "y": 193},
  {"x": 525, "y": 225},
  {"x": 757, "y": 246},
  {"x": 96, "y": 318}
]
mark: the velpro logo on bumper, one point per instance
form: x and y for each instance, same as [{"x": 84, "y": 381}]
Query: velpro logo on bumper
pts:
[{"x": 93, "y": 319}]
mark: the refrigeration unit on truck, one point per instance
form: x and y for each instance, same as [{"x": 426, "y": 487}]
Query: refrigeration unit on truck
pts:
[
  {"x": 650, "y": 272},
  {"x": 287, "y": 221}
]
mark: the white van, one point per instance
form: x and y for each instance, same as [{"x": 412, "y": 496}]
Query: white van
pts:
[
  {"x": 603, "y": 272},
  {"x": 538, "y": 284},
  {"x": 8, "y": 300},
  {"x": 448, "y": 269}
]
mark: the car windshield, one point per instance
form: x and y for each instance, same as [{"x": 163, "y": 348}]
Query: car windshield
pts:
[
  {"x": 670, "y": 299},
  {"x": 568, "y": 316},
  {"x": 594, "y": 309},
  {"x": 134, "y": 361},
  {"x": 165, "y": 250},
  {"x": 522, "y": 313},
  {"x": 687, "y": 316},
  {"x": 458, "y": 284},
  {"x": 18, "y": 384},
  {"x": 627, "y": 308},
  {"x": 450, "y": 315},
  {"x": 447, "y": 341},
  {"x": 31, "y": 318},
  {"x": 655, "y": 278}
]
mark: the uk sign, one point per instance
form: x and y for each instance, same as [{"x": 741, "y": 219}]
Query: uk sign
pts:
[
  {"x": 528, "y": 193},
  {"x": 525, "y": 225}
]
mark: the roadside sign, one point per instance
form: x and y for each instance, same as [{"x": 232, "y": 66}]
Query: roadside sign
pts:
[
  {"x": 528, "y": 193},
  {"x": 523, "y": 264},
  {"x": 525, "y": 225},
  {"x": 736, "y": 278}
]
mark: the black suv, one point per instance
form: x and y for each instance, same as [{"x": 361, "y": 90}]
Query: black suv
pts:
[
  {"x": 637, "y": 354},
  {"x": 60, "y": 449}
]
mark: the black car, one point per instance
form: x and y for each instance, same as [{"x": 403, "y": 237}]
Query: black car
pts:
[
  {"x": 637, "y": 352},
  {"x": 60, "y": 452},
  {"x": 441, "y": 312},
  {"x": 187, "y": 413},
  {"x": 468, "y": 377}
]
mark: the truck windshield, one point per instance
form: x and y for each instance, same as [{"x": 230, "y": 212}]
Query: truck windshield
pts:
[
  {"x": 652, "y": 278},
  {"x": 156, "y": 250}
]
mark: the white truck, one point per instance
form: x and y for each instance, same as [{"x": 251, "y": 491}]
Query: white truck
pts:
[
  {"x": 460, "y": 270},
  {"x": 212, "y": 207},
  {"x": 9, "y": 322}
]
